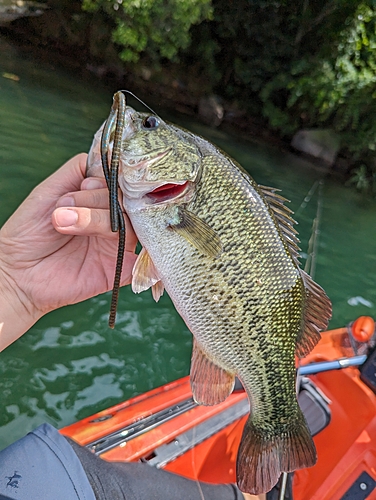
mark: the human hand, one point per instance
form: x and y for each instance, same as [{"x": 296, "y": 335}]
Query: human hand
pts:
[{"x": 47, "y": 260}]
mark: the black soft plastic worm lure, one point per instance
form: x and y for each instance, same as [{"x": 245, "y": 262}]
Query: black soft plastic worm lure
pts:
[
  {"x": 110, "y": 170},
  {"x": 117, "y": 115}
]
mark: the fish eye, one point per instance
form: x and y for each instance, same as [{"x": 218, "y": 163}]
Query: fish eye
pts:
[{"x": 150, "y": 122}]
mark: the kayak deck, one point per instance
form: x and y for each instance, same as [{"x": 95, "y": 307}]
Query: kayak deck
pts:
[{"x": 166, "y": 428}]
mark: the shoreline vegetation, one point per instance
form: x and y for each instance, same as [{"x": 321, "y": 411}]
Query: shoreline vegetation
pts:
[{"x": 267, "y": 70}]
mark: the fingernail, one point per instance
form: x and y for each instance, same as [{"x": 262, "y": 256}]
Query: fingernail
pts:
[
  {"x": 91, "y": 183},
  {"x": 66, "y": 201},
  {"x": 66, "y": 218}
]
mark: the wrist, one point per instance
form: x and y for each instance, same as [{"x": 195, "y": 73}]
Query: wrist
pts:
[{"x": 17, "y": 314}]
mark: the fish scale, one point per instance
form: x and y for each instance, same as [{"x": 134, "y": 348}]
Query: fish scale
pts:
[
  {"x": 236, "y": 339},
  {"x": 225, "y": 251}
]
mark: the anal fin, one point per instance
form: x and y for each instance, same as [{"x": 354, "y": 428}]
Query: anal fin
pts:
[{"x": 210, "y": 383}]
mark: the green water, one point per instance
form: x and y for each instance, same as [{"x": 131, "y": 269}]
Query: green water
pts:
[{"x": 70, "y": 364}]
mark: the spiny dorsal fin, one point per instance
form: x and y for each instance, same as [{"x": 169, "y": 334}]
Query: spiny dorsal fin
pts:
[
  {"x": 318, "y": 309},
  {"x": 210, "y": 384},
  {"x": 144, "y": 274},
  {"x": 317, "y": 313},
  {"x": 282, "y": 215},
  {"x": 197, "y": 233}
]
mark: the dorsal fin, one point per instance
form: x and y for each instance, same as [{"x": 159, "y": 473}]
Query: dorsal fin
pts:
[
  {"x": 318, "y": 309},
  {"x": 317, "y": 313},
  {"x": 282, "y": 215}
]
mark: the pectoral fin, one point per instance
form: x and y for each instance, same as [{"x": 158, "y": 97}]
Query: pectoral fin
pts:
[
  {"x": 144, "y": 274},
  {"x": 197, "y": 233},
  {"x": 210, "y": 383}
]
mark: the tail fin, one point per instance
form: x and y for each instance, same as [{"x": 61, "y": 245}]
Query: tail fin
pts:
[{"x": 264, "y": 454}]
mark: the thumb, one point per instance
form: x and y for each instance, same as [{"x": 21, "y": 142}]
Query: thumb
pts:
[{"x": 83, "y": 221}]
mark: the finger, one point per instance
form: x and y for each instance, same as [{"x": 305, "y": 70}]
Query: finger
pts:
[
  {"x": 93, "y": 198},
  {"x": 93, "y": 183},
  {"x": 43, "y": 197},
  {"x": 83, "y": 221},
  {"x": 131, "y": 238},
  {"x": 67, "y": 178}
]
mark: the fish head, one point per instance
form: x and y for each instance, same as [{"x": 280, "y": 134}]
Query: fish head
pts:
[{"x": 159, "y": 163}]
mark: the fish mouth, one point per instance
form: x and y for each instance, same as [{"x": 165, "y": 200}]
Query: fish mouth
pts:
[{"x": 169, "y": 191}]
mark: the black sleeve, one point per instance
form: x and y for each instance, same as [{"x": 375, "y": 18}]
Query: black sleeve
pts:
[{"x": 138, "y": 481}]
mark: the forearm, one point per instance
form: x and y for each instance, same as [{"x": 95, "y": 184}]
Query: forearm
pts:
[{"x": 16, "y": 314}]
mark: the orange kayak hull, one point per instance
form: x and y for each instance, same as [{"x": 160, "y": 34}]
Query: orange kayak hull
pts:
[{"x": 346, "y": 447}]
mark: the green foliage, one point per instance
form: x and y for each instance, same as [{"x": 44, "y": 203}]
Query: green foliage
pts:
[
  {"x": 301, "y": 63},
  {"x": 157, "y": 28},
  {"x": 364, "y": 180},
  {"x": 336, "y": 91},
  {"x": 260, "y": 39}
]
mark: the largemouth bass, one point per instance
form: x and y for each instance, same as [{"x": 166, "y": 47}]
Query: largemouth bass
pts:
[{"x": 225, "y": 250}]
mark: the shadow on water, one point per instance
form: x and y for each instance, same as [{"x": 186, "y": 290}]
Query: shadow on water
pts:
[{"x": 70, "y": 364}]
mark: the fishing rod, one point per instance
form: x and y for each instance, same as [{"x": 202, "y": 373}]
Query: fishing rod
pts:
[
  {"x": 325, "y": 366},
  {"x": 313, "y": 244},
  {"x": 282, "y": 490},
  {"x": 312, "y": 369}
]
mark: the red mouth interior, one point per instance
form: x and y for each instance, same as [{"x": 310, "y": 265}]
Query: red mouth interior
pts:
[{"x": 167, "y": 191}]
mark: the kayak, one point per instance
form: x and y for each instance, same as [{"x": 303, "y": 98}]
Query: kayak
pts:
[{"x": 166, "y": 429}]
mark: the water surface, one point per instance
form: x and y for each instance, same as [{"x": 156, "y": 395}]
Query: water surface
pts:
[{"x": 70, "y": 364}]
